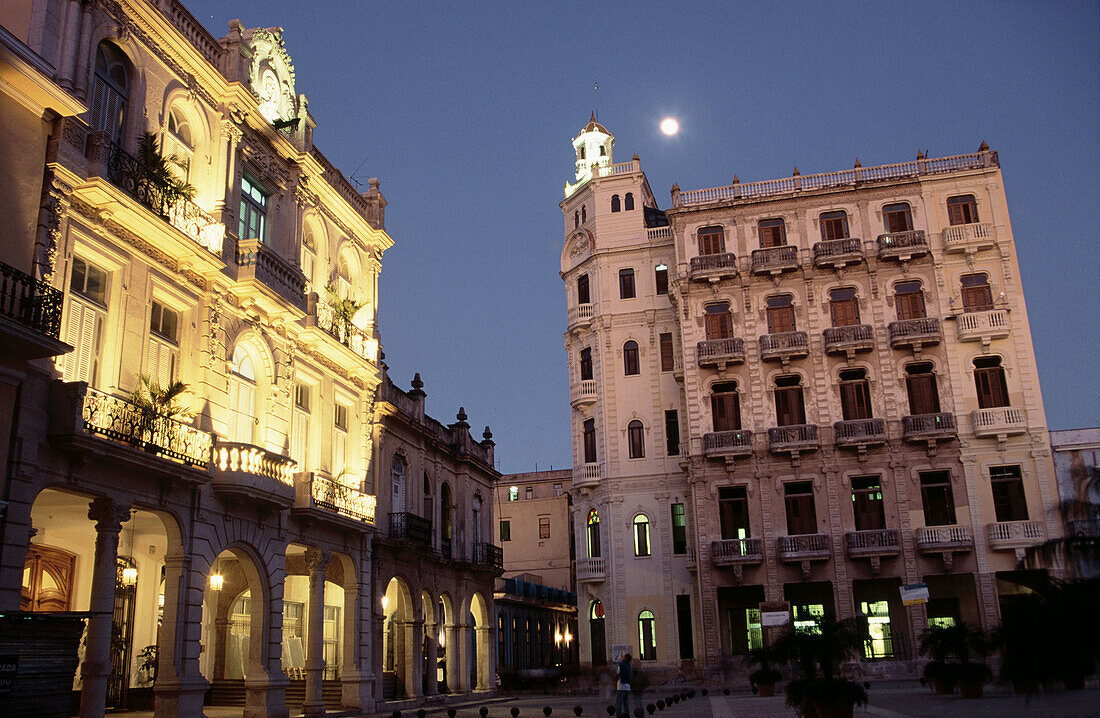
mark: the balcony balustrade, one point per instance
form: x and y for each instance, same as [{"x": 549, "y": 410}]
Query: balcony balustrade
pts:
[
  {"x": 929, "y": 427},
  {"x": 250, "y": 473},
  {"x": 982, "y": 326},
  {"x": 405, "y": 526},
  {"x": 969, "y": 237},
  {"x": 715, "y": 352},
  {"x": 784, "y": 346},
  {"x": 1084, "y": 528},
  {"x": 727, "y": 443},
  {"x": 860, "y": 432},
  {"x": 804, "y": 547},
  {"x": 489, "y": 556},
  {"x": 873, "y": 542},
  {"x": 998, "y": 422},
  {"x": 583, "y": 392},
  {"x": 793, "y": 438},
  {"x": 775, "y": 260},
  {"x": 939, "y": 539},
  {"x": 586, "y": 475},
  {"x": 691, "y": 561},
  {"x": 321, "y": 314},
  {"x": 1015, "y": 535},
  {"x": 915, "y": 333},
  {"x": 79, "y": 413},
  {"x": 903, "y": 245},
  {"x": 259, "y": 263},
  {"x": 130, "y": 175},
  {"x": 713, "y": 267},
  {"x": 30, "y": 316},
  {"x": 325, "y": 499},
  {"x": 446, "y": 548},
  {"x": 581, "y": 315},
  {"x": 838, "y": 252},
  {"x": 590, "y": 570},
  {"x": 731, "y": 552},
  {"x": 853, "y": 338}
]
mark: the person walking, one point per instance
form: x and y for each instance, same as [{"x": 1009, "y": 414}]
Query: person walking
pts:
[{"x": 623, "y": 675}]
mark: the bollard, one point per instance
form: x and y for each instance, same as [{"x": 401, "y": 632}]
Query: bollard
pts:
[
  {"x": 577, "y": 710},
  {"x": 547, "y": 710},
  {"x": 514, "y": 711}
]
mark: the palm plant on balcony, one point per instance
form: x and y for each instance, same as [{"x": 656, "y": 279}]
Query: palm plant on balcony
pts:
[
  {"x": 343, "y": 308},
  {"x": 823, "y": 647},
  {"x": 159, "y": 174},
  {"x": 156, "y": 402}
]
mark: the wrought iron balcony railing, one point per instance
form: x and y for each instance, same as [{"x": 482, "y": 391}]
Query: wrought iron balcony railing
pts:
[
  {"x": 855, "y": 338},
  {"x": 727, "y": 443},
  {"x": 123, "y": 421},
  {"x": 410, "y": 527},
  {"x": 833, "y": 252},
  {"x": 131, "y": 176},
  {"x": 736, "y": 551},
  {"x": 30, "y": 302},
  {"x": 902, "y": 245},
  {"x": 487, "y": 554},
  {"x": 322, "y": 496},
  {"x": 343, "y": 330}
]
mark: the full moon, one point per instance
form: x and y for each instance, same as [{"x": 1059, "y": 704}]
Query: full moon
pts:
[{"x": 670, "y": 126}]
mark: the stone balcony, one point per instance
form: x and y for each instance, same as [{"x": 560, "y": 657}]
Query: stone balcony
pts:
[
  {"x": 837, "y": 253},
  {"x": 250, "y": 474},
  {"x": 719, "y": 444},
  {"x": 582, "y": 392},
  {"x": 903, "y": 246},
  {"x": 323, "y": 322},
  {"x": 915, "y": 333},
  {"x": 1084, "y": 528},
  {"x": 849, "y": 340},
  {"x": 784, "y": 346},
  {"x": 1015, "y": 535},
  {"x": 941, "y": 539},
  {"x": 873, "y": 542},
  {"x": 488, "y": 556},
  {"x": 590, "y": 570},
  {"x": 982, "y": 326},
  {"x": 775, "y": 260},
  {"x": 793, "y": 439},
  {"x": 320, "y": 498},
  {"x": 581, "y": 315},
  {"x": 998, "y": 422},
  {"x": 860, "y": 432},
  {"x": 713, "y": 267},
  {"x": 737, "y": 552},
  {"x": 30, "y": 316},
  {"x": 929, "y": 427},
  {"x": 586, "y": 475},
  {"x": 720, "y": 352},
  {"x": 804, "y": 549},
  {"x": 279, "y": 282},
  {"x": 413, "y": 529},
  {"x": 969, "y": 237}
]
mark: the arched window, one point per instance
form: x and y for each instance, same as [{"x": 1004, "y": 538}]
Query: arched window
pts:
[
  {"x": 584, "y": 213},
  {"x": 725, "y": 406},
  {"x": 773, "y": 232},
  {"x": 790, "y": 409},
  {"x": 110, "y": 92},
  {"x": 588, "y": 435},
  {"x": 428, "y": 506},
  {"x": 641, "y": 535},
  {"x": 586, "y": 364},
  {"x": 309, "y": 258},
  {"x": 397, "y": 477},
  {"x": 843, "y": 307},
  {"x": 628, "y": 201},
  {"x": 897, "y": 217},
  {"x": 647, "y": 636},
  {"x": 989, "y": 378},
  {"x": 630, "y": 358},
  {"x": 635, "y": 435},
  {"x": 576, "y": 219},
  {"x": 592, "y": 534},
  {"x": 242, "y": 397},
  {"x": 920, "y": 384},
  {"x": 962, "y": 209},
  {"x": 855, "y": 395},
  {"x": 976, "y": 293},
  {"x": 179, "y": 141},
  {"x": 719, "y": 321},
  {"x": 909, "y": 300},
  {"x": 595, "y": 612},
  {"x": 446, "y": 517},
  {"x": 780, "y": 312},
  {"x": 834, "y": 225},
  {"x": 615, "y": 205},
  {"x": 343, "y": 277}
]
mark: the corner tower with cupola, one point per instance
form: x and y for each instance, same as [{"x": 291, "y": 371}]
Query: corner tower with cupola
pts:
[{"x": 633, "y": 566}]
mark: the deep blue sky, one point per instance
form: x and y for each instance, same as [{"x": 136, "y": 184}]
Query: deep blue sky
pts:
[{"x": 466, "y": 110}]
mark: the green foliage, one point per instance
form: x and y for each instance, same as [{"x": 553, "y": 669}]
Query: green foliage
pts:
[
  {"x": 826, "y": 648},
  {"x": 941, "y": 643},
  {"x": 149, "y": 659},
  {"x": 765, "y": 675},
  {"x": 160, "y": 170},
  {"x": 154, "y": 401},
  {"x": 344, "y": 309}
]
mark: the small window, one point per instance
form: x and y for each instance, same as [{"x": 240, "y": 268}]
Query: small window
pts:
[
  {"x": 251, "y": 224},
  {"x": 920, "y": 384},
  {"x": 301, "y": 396},
  {"x": 529, "y": 492},
  {"x": 843, "y": 307},
  {"x": 909, "y": 300},
  {"x": 780, "y": 312},
  {"x": 576, "y": 219},
  {"x": 616, "y": 206},
  {"x": 962, "y": 209},
  {"x": 513, "y": 493},
  {"x": 163, "y": 322},
  {"x": 589, "y": 435},
  {"x": 340, "y": 417},
  {"x": 660, "y": 274},
  {"x": 790, "y": 409},
  {"x": 976, "y": 293},
  {"x": 641, "y": 535},
  {"x": 583, "y": 297},
  {"x": 936, "y": 495},
  {"x": 647, "y": 636},
  {"x": 630, "y": 358},
  {"x": 544, "y": 527},
  {"x": 635, "y": 434},
  {"x": 679, "y": 529},
  {"x": 586, "y": 364},
  {"x": 584, "y": 213},
  {"x": 867, "y": 505},
  {"x": 667, "y": 358},
  {"x": 557, "y": 490},
  {"x": 855, "y": 395},
  {"x": 773, "y": 233},
  {"x": 603, "y": 151},
  {"x": 725, "y": 406},
  {"x": 897, "y": 217},
  {"x": 89, "y": 281},
  {"x": 1009, "y": 501},
  {"x": 672, "y": 432},
  {"x": 834, "y": 225},
  {"x": 592, "y": 536},
  {"x": 505, "y": 530},
  {"x": 626, "y": 284},
  {"x": 712, "y": 240},
  {"x": 628, "y": 201},
  {"x": 801, "y": 513},
  {"x": 719, "y": 321},
  {"x": 989, "y": 379}
]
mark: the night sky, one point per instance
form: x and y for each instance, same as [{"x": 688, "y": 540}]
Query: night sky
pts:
[{"x": 465, "y": 111}]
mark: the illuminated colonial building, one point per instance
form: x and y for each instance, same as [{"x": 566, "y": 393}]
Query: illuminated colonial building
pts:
[
  {"x": 798, "y": 395},
  {"x": 292, "y": 529}
]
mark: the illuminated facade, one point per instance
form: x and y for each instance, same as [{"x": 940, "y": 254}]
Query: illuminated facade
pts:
[
  {"x": 798, "y": 395},
  {"x": 245, "y": 532}
]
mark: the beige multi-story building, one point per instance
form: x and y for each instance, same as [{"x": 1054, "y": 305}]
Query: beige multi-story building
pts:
[
  {"x": 534, "y": 527},
  {"x": 290, "y": 529},
  {"x": 828, "y": 379}
]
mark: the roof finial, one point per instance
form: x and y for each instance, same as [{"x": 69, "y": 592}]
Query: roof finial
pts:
[
  {"x": 858, "y": 163},
  {"x": 984, "y": 147},
  {"x": 796, "y": 173}
]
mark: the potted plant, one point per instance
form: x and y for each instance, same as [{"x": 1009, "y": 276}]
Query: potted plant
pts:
[
  {"x": 765, "y": 677},
  {"x": 823, "y": 648},
  {"x": 154, "y": 402},
  {"x": 159, "y": 186},
  {"x": 940, "y": 676},
  {"x": 944, "y": 643}
]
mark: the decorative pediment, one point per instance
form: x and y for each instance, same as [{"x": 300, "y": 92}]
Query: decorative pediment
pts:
[{"x": 271, "y": 75}]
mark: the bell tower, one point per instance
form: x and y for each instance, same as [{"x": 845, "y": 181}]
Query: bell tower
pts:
[{"x": 593, "y": 147}]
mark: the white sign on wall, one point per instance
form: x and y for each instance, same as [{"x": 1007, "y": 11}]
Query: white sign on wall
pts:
[
  {"x": 774, "y": 618},
  {"x": 914, "y": 593}
]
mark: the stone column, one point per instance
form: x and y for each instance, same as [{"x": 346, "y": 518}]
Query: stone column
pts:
[
  {"x": 431, "y": 639},
  {"x": 69, "y": 43},
  {"x": 452, "y": 658},
  {"x": 317, "y": 560},
  {"x": 414, "y": 657},
  {"x": 97, "y": 655},
  {"x": 82, "y": 65},
  {"x": 461, "y": 647},
  {"x": 180, "y": 687},
  {"x": 484, "y": 658},
  {"x": 357, "y": 674}
]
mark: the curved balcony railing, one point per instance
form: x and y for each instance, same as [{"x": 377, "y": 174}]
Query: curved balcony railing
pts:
[
  {"x": 721, "y": 443},
  {"x": 30, "y": 302},
  {"x": 982, "y": 326},
  {"x": 581, "y": 314},
  {"x": 962, "y": 237},
  {"x": 1001, "y": 420},
  {"x": 834, "y": 251},
  {"x": 245, "y": 458},
  {"x": 855, "y": 337},
  {"x": 910, "y": 332},
  {"x": 712, "y": 352},
  {"x": 123, "y": 421},
  {"x": 583, "y": 392},
  {"x": 586, "y": 474},
  {"x": 590, "y": 569},
  {"x": 902, "y": 245},
  {"x": 775, "y": 259},
  {"x": 255, "y": 260}
]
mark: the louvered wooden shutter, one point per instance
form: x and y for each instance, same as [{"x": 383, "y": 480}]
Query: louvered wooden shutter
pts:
[{"x": 81, "y": 335}]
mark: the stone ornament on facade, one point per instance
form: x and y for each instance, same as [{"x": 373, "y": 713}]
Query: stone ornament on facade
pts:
[{"x": 271, "y": 75}]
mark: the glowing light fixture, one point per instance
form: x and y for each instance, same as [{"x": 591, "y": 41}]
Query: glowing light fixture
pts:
[
  {"x": 568, "y": 637},
  {"x": 385, "y": 603},
  {"x": 557, "y": 638},
  {"x": 129, "y": 576},
  {"x": 217, "y": 580},
  {"x": 670, "y": 126},
  {"x": 160, "y": 600},
  {"x": 442, "y": 638}
]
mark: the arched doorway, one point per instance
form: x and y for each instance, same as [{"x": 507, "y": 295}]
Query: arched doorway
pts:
[
  {"x": 596, "y": 631},
  {"x": 482, "y": 657},
  {"x": 446, "y": 520},
  {"x": 401, "y": 643},
  {"x": 447, "y": 671}
]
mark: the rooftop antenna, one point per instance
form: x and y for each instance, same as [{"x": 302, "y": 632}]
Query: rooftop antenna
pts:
[
  {"x": 358, "y": 184},
  {"x": 596, "y": 95}
]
